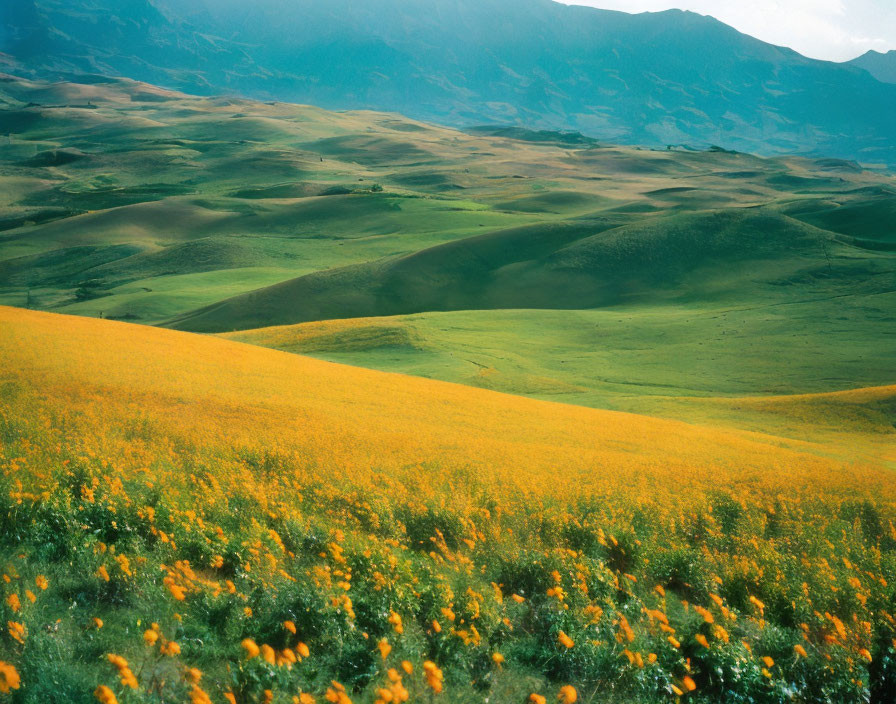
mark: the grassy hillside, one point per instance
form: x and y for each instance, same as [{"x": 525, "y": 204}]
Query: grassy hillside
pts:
[
  {"x": 529, "y": 262},
  {"x": 182, "y": 502},
  {"x": 657, "y": 351},
  {"x": 124, "y": 200},
  {"x": 736, "y": 255},
  {"x": 132, "y": 191},
  {"x": 657, "y": 359}
]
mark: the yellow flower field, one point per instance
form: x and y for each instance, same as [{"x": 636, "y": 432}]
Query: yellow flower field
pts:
[{"x": 201, "y": 520}]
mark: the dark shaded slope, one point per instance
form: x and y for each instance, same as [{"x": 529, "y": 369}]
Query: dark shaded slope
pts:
[
  {"x": 447, "y": 277},
  {"x": 582, "y": 265},
  {"x": 868, "y": 219}
]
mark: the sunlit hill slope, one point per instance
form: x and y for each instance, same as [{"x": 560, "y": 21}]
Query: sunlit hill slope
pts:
[
  {"x": 345, "y": 419},
  {"x": 212, "y": 493}
]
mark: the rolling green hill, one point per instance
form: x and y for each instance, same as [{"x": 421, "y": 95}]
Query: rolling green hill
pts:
[
  {"x": 695, "y": 361},
  {"x": 534, "y": 263},
  {"x": 586, "y": 263},
  {"x": 162, "y": 203}
]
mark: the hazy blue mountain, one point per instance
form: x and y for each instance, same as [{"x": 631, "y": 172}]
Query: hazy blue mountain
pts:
[
  {"x": 881, "y": 66},
  {"x": 671, "y": 77}
]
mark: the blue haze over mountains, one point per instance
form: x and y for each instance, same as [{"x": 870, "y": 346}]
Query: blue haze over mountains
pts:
[{"x": 663, "y": 78}]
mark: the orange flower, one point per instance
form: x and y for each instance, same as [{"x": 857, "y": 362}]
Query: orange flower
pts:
[
  {"x": 9, "y": 678},
  {"x": 41, "y": 582},
  {"x": 303, "y": 650},
  {"x": 336, "y": 694},
  {"x": 800, "y": 650},
  {"x": 768, "y": 661},
  {"x": 193, "y": 675},
  {"x": 407, "y": 666},
  {"x": 498, "y": 659},
  {"x": 13, "y": 601},
  {"x": 252, "y": 650},
  {"x": 536, "y": 699},
  {"x": 268, "y": 655},
  {"x": 395, "y": 621},
  {"x": 198, "y": 696},
  {"x": 290, "y": 626},
  {"x": 384, "y": 648},
  {"x": 124, "y": 670},
  {"x": 103, "y": 573},
  {"x": 565, "y": 640},
  {"x": 434, "y": 676},
  {"x": 97, "y": 622},
  {"x": 689, "y": 683},
  {"x": 567, "y": 695},
  {"x": 105, "y": 695},
  {"x": 17, "y": 631},
  {"x": 705, "y": 613},
  {"x": 150, "y": 637}
]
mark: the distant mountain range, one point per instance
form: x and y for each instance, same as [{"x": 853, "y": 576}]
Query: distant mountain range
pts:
[
  {"x": 656, "y": 78},
  {"x": 881, "y": 66}
]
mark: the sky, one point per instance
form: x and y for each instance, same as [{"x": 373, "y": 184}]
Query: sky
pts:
[{"x": 835, "y": 30}]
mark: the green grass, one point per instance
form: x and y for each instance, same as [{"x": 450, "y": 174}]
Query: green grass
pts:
[
  {"x": 155, "y": 182},
  {"x": 738, "y": 257},
  {"x": 156, "y": 299}
]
